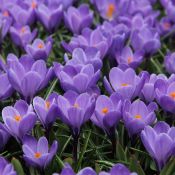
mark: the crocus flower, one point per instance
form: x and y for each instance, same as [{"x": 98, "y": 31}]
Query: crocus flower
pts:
[
  {"x": 146, "y": 40},
  {"x": 118, "y": 169},
  {"x": 38, "y": 49},
  {"x": 4, "y": 136},
  {"x": 27, "y": 76},
  {"x": 50, "y": 17},
  {"x": 137, "y": 115},
  {"x": 38, "y": 153},
  {"x": 126, "y": 83},
  {"x": 148, "y": 90},
  {"x": 22, "y": 35},
  {"x": 64, "y": 3},
  {"x": 77, "y": 19},
  {"x": 90, "y": 38},
  {"x": 19, "y": 119},
  {"x": 6, "y": 168},
  {"x": 159, "y": 142},
  {"x": 79, "y": 80},
  {"x": 128, "y": 58},
  {"x": 46, "y": 109},
  {"x": 74, "y": 109},
  {"x": 81, "y": 58},
  {"x": 170, "y": 62}
]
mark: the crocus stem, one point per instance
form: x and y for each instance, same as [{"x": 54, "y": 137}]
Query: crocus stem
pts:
[
  {"x": 75, "y": 148},
  {"x": 42, "y": 172},
  {"x": 113, "y": 139}
]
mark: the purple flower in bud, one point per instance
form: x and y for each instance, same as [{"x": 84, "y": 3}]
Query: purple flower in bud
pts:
[
  {"x": 129, "y": 58},
  {"x": 39, "y": 50},
  {"x": 19, "y": 119},
  {"x": 79, "y": 18},
  {"x": 146, "y": 40},
  {"x": 50, "y": 17},
  {"x": 90, "y": 38},
  {"x": 137, "y": 115},
  {"x": 6, "y": 168},
  {"x": 46, "y": 110},
  {"x": 79, "y": 80},
  {"x": 28, "y": 76},
  {"x": 170, "y": 62},
  {"x": 81, "y": 58},
  {"x": 38, "y": 153},
  {"x": 75, "y": 110},
  {"x": 107, "y": 112},
  {"x": 4, "y": 136},
  {"x": 126, "y": 83},
  {"x": 159, "y": 142},
  {"x": 22, "y": 35},
  {"x": 118, "y": 169}
]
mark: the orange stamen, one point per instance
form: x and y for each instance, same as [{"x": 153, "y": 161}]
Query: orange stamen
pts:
[
  {"x": 130, "y": 60},
  {"x": 105, "y": 110},
  {"x": 6, "y": 13},
  {"x": 17, "y": 118},
  {"x": 47, "y": 104},
  {"x": 76, "y": 105},
  {"x": 167, "y": 25},
  {"x": 34, "y": 5},
  {"x": 172, "y": 95},
  {"x": 110, "y": 10},
  {"x": 124, "y": 84},
  {"x": 40, "y": 45},
  {"x": 23, "y": 29},
  {"x": 138, "y": 116},
  {"x": 37, "y": 155}
]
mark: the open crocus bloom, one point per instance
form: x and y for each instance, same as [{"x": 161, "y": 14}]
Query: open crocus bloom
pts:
[
  {"x": 159, "y": 142},
  {"x": 137, "y": 115},
  {"x": 19, "y": 119},
  {"x": 38, "y": 153}
]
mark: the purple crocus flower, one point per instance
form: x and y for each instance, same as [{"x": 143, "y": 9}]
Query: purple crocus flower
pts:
[
  {"x": 28, "y": 76},
  {"x": 38, "y": 153},
  {"x": 64, "y": 3},
  {"x": 159, "y": 142},
  {"x": 126, "y": 83},
  {"x": 19, "y": 119},
  {"x": 170, "y": 62},
  {"x": 128, "y": 58},
  {"x": 22, "y": 35},
  {"x": 118, "y": 169},
  {"x": 39, "y": 50},
  {"x": 137, "y": 115},
  {"x": 146, "y": 40},
  {"x": 46, "y": 109},
  {"x": 90, "y": 38},
  {"x": 4, "y": 136},
  {"x": 148, "y": 90},
  {"x": 6, "y": 168},
  {"x": 81, "y": 58},
  {"x": 79, "y": 18},
  {"x": 50, "y": 17},
  {"x": 79, "y": 80}
]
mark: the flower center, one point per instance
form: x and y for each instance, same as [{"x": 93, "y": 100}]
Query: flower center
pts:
[
  {"x": 110, "y": 10},
  {"x": 167, "y": 25},
  {"x": 130, "y": 60},
  {"x": 138, "y": 116},
  {"x": 17, "y": 118},
  {"x": 37, "y": 155},
  {"x": 105, "y": 110},
  {"x": 47, "y": 104},
  {"x": 40, "y": 45},
  {"x": 172, "y": 95},
  {"x": 34, "y": 5},
  {"x": 6, "y": 13},
  {"x": 124, "y": 84},
  {"x": 23, "y": 29},
  {"x": 76, "y": 105}
]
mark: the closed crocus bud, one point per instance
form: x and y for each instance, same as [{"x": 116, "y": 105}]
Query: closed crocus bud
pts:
[
  {"x": 148, "y": 39},
  {"x": 50, "y": 17},
  {"x": 129, "y": 58},
  {"x": 4, "y": 136},
  {"x": 159, "y": 142},
  {"x": 6, "y": 168},
  {"x": 126, "y": 82},
  {"x": 118, "y": 169},
  {"x": 22, "y": 35},
  {"x": 19, "y": 119},
  {"x": 77, "y": 19},
  {"x": 170, "y": 62},
  {"x": 28, "y": 76},
  {"x": 81, "y": 58},
  {"x": 38, "y": 153},
  {"x": 79, "y": 80},
  {"x": 90, "y": 38},
  {"x": 137, "y": 115},
  {"x": 39, "y": 50},
  {"x": 46, "y": 109}
]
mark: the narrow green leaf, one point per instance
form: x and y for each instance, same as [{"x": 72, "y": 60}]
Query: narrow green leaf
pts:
[
  {"x": 169, "y": 168},
  {"x": 17, "y": 166}
]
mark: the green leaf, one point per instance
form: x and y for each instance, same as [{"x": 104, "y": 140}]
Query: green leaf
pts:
[
  {"x": 120, "y": 153},
  {"x": 169, "y": 168},
  {"x": 17, "y": 166}
]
